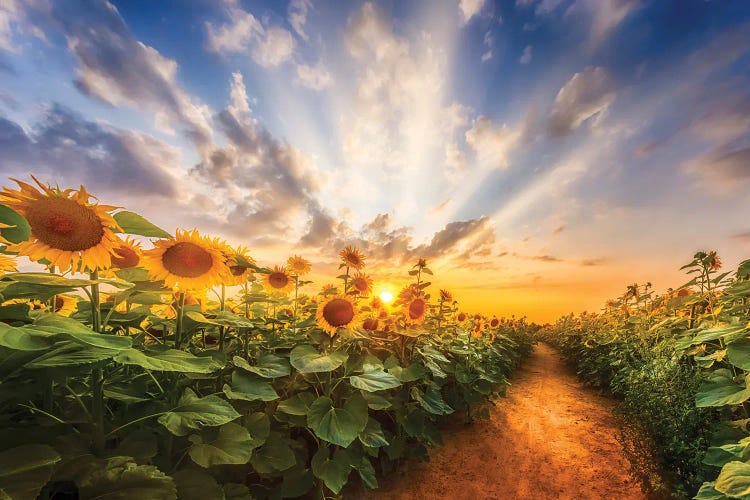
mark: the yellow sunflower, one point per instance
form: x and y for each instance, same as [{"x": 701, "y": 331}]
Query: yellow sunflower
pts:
[
  {"x": 337, "y": 311},
  {"x": 494, "y": 323},
  {"x": 7, "y": 264},
  {"x": 446, "y": 296},
  {"x": 298, "y": 266},
  {"x": 188, "y": 261},
  {"x": 461, "y": 318},
  {"x": 362, "y": 283},
  {"x": 238, "y": 274},
  {"x": 66, "y": 229},
  {"x": 370, "y": 324},
  {"x": 352, "y": 257},
  {"x": 126, "y": 254},
  {"x": 415, "y": 310},
  {"x": 65, "y": 305},
  {"x": 279, "y": 281}
]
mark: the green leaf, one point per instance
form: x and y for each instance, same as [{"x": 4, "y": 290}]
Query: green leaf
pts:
[
  {"x": 259, "y": 426},
  {"x": 734, "y": 480},
  {"x": 193, "y": 413},
  {"x": 19, "y": 230},
  {"x": 170, "y": 360},
  {"x": 132, "y": 223},
  {"x": 431, "y": 400},
  {"x": 720, "y": 455},
  {"x": 274, "y": 455},
  {"x": 120, "y": 478},
  {"x": 24, "y": 338},
  {"x": 54, "y": 323},
  {"x": 373, "y": 435},
  {"x": 334, "y": 472},
  {"x": 25, "y": 470},
  {"x": 235, "y": 491},
  {"x": 373, "y": 381},
  {"x": 719, "y": 389},
  {"x": 414, "y": 371},
  {"x": 223, "y": 318},
  {"x": 249, "y": 387},
  {"x": 297, "y": 481},
  {"x": 738, "y": 353},
  {"x": 376, "y": 401},
  {"x": 69, "y": 353},
  {"x": 708, "y": 492},
  {"x": 267, "y": 365},
  {"x": 231, "y": 446},
  {"x": 196, "y": 485},
  {"x": 339, "y": 426},
  {"x": 299, "y": 404},
  {"x": 366, "y": 472},
  {"x": 306, "y": 359}
]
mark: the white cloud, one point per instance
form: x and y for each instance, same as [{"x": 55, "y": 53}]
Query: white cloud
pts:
[
  {"x": 586, "y": 94},
  {"x": 276, "y": 47},
  {"x": 489, "y": 42},
  {"x": 492, "y": 143},
  {"x": 314, "y": 77},
  {"x": 239, "y": 103},
  {"x": 236, "y": 35},
  {"x": 298, "y": 10},
  {"x": 470, "y": 8},
  {"x": 526, "y": 55}
]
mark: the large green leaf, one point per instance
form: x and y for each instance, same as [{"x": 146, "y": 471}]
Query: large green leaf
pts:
[
  {"x": 719, "y": 389},
  {"x": 223, "y": 318},
  {"x": 259, "y": 426},
  {"x": 193, "y": 413},
  {"x": 738, "y": 353},
  {"x": 720, "y": 455},
  {"x": 197, "y": 485},
  {"x": 375, "y": 380},
  {"x": 414, "y": 371},
  {"x": 275, "y": 455},
  {"x": 70, "y": 353},
  {"x": 249, "y": 387},
  {"x": 306, "y": 359},
  {"x": 169, "y": 360},
  {"x": 24, "y": 470},
  {"x": 339, "y": 426},
  {"x": 19, "y": 229},
  {"x": 24, "y": 339},
  {"x": 708, "y": 492},
  {"x": 54, "y": 323},
  {"x": 122, "y": 479},
  {"x": 297, "y": 481},
  {"x": 373, "y": 435},
  {"x": 232, "y": 445},
  {"x": 333, "y": 471},
  {"x": 734, "y": 480},
  {"x": 299, "y": 404},
  {"x": 132, "y": 223},
  {"x": 727, "y": 332},
  {"x": 266, "y": 365}
]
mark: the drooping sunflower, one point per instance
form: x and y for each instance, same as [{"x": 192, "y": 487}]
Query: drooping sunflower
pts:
[
  {"x": 336, "y": 311},
  {"x": 126, "y": 254},
  {"x": 446, "y": 296},
  {"x": 279, "y": 281},
  {"x": 7, "y": 264},
  {"x": 239, "y": 274},
  {"x": 298, "y": 266},
  {"x": 66, "y": 229},
  {"x": 416, "y": 310},
  {"x": 714, "y": 262},
  {"x": 188, "y": 261},
  {"x": 352, "y": 257},
  {"x": 362, "y": 283}
]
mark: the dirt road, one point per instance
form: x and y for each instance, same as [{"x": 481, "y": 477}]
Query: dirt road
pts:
[{"x": 551, "y": 438}]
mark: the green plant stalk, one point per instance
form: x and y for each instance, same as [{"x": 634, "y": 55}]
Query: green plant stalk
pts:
[
  {"x": 97, "y": 374},
  {"x": 222, "y": 329},
  {"x": 178, "y": 325}
]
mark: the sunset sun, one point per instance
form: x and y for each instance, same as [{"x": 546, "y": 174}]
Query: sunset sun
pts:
[{"x": 386, "y": 296}]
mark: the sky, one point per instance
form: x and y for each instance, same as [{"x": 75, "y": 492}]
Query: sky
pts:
[{"x": 540, "y": 154}]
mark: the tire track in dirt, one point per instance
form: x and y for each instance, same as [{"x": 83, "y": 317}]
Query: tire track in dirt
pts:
[{"x": 551, "y": 438}]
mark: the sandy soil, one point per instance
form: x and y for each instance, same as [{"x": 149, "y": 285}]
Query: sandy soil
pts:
[{"x": 551, "y": 438}]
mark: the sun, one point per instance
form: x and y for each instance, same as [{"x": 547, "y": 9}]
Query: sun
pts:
[{"x": 386, "y": 296}]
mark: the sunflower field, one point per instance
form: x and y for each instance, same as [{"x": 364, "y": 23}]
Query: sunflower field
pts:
[
  {"x": 680, "y": 364},
  {"x": 135, "y": 363}
]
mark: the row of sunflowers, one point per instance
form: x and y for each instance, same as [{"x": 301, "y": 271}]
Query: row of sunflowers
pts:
[
  {"x": 139, "y": 364},
  {"x": 679, "y": 362}
]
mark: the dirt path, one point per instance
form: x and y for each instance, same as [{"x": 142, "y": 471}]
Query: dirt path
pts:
[{"x": 551, "y": 438}]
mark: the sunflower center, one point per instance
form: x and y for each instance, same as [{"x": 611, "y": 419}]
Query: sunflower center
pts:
[
  {"x": 237, "y": 270},
  {"x": 370, "y": 324},
  {"x": 360, "y": 284},
  {"x": 187, "y": 260},
  {"x": 125, "y": 257},
  {"x": 64, "y": 224},
  {"x": 338, "y": 312},
  {"x": 416, "y": 308},
  {"x": 278, "y": 280},
  {"x": 461, "y": 317},
  {"x": 59, "y": 303}
]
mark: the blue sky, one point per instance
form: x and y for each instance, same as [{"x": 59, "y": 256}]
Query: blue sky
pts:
[{"x": 541, "y": 153}]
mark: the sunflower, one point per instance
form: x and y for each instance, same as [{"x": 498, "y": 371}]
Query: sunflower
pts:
[
  {"x": 279, "y": 281},
  {"x": 66, "y": 229},
  {"x": 416, "y": 310},
  {"x": 65, "y": 305},
  {"x": 126, "y": 254},
  {"x": 337, "y": 311},
  {"x": 494, "y": 323},
  {"x": 351, "y": 257},
  {"x": 188, "y": 261},
  {"x": 362, "y": 283},
  {"x": 461, "y": 318},
  {"x": 7, "y": 264},
  {"x": 376, "y": 303},
  {"x": 477, "y": 331},
  {"x": 714, "y": 262},
  {"x": 446, "y": 296},
  {"x": 239, "y": 274},
  {"x": 298, "y": 266},
  {"x": 370, "y": 324}
]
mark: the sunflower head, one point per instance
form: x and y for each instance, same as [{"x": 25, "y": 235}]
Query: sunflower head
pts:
[
  {"x": 279, "y": 281},
  {"x": 376, "y": 303},
  {"x": 415, "y": 310},
  {"x": 7, "y": 264},
  {"x": 351, "y": 257},
  {"x": 461, "y": 318},
  {"x": 298, "y": 266},
  {"x": 336, "y": 311},
  {"x": 66, "y": 228},
  {"x": 65, "y": 305},
  {"x": 370, "y": 324},
  {"x": 188, "y": 261},
  {"x": 494, "y": 323},
  {"x": 684, "y": 292},
  {"x": 714, "y": 262},
  {"x": 446, "y": 296},
  {"x": 237, "y": 260},
  {"x": 126, "y": 254},
  {"x": 362, "y": 283}
]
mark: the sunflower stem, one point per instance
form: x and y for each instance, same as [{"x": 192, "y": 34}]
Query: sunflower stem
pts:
[
  {"x": 178, "y": 325},
  {"x": 97, "y": 373},
  {"x": 296, "y": 298},
  {"x": 222, "y": 329}
]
